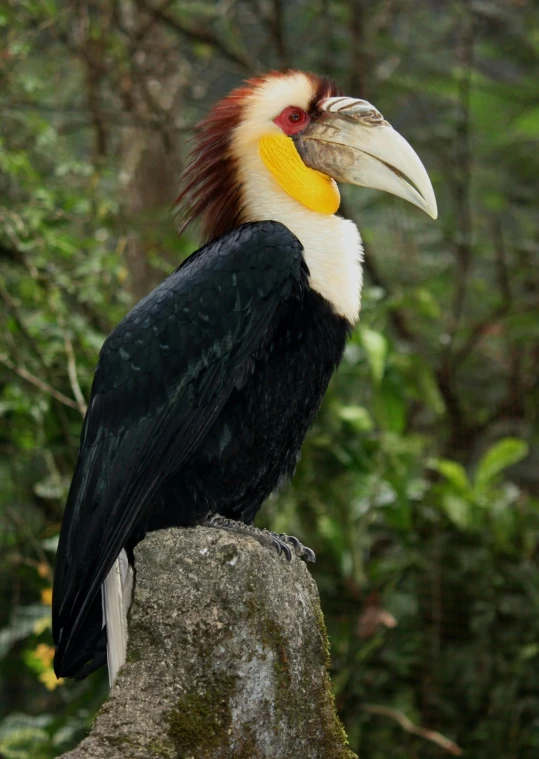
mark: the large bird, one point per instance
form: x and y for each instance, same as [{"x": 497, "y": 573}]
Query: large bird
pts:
[{"x": 204, "y": 392}]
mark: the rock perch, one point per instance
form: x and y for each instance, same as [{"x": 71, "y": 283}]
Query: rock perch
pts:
[{"x": 227, "y": 658}]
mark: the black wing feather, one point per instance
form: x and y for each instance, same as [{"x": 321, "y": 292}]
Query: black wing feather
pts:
[{"x": 163, "y": 376}]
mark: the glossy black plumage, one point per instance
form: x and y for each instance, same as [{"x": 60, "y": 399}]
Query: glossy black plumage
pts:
[{"x": 201, "y": 400}]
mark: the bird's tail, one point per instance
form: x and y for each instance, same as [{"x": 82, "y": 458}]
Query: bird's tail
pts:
[{"x": 117, "y": 590}]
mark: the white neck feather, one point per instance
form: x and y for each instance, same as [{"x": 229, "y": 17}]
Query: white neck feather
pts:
[{"x": 332, "y": 245}]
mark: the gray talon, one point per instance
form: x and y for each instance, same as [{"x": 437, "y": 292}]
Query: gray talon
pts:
[
  {"x": 287, "y": 552},
  {"x": 291, "y": 539},
  {"x": 277, "y": 545},
  {"x": 283, "y": 544}
]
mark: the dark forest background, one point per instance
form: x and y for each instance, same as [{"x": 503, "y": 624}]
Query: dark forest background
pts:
[{"x": 419, "y": 484}]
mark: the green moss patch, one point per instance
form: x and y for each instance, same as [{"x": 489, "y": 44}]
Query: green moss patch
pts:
[{"x": 201, "y": 721}]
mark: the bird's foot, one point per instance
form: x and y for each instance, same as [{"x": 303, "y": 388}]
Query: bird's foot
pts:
[{"x": 283, "y": 544}]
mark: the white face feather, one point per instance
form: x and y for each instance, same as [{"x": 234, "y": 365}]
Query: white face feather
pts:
[
  {"x": 268, "y": 101},
  {"x": 332, "y": 245}
]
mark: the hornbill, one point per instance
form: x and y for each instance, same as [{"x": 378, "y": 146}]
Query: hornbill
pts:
[{"x": 204, "y": 392}]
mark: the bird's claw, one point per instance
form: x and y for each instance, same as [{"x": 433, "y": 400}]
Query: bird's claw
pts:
[
  {"x": 281, "y": 547},
  {"x": 304, "y": 552},
  {"x": 291, "y": 539},
  {"x": 283, "y": 544},
  {"x": 287, "y": 545}
]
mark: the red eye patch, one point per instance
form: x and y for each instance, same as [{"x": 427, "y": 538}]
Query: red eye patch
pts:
[{"x": 292, "y": 120}]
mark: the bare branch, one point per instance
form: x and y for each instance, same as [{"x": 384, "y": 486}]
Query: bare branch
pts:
[
  {"x": 23, "y": 528},
  {"x": 276, "y": 24},
  {"x": 465, "y": 61},
  {"x": 199, "y": 34},
  {"x": 46, "y": 387},
  {"x": 72, "y": 373},
  {"x": 33, "y": 380},
  {"x": 430, "y": 735},
  {"x": 484, "y": 327},
  {"x": 357, "y": 81}
]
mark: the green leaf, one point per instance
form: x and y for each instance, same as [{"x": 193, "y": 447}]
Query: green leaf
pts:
[
  {"x": 426, "y": 304},
  {"x": 429, "y": 388},
  {"x": 333, "y": 532},
  {"x": 375, "y": 346},
  {"x": 24, "y": 735},
  {"x": 502, "y": 454},
  {"x": 529, "y": 651},
  {"x": 358, "y": 416},
  {"x": 453, "y": 472},
  {"x": 458, "y": 510},
  {"x": 389, "y": 407},
  {"x": 503, "y": 526},
  {"x": 528, "y": 123},
  {"x": 399, "y": 515}
]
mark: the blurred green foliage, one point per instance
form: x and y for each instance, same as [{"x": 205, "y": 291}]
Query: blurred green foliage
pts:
[{"x": 418, "y": 486}]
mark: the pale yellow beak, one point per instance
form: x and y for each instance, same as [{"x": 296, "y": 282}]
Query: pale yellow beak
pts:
[{"x": 351, "y": 142}]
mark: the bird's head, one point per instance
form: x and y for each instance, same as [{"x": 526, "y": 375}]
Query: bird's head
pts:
[{"x": 292, "y": 136}]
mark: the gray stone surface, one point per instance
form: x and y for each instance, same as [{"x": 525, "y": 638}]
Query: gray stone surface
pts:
[{"x": 227, "y": 658}]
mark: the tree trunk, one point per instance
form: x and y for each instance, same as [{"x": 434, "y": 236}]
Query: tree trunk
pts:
[{"x": 227, "y": 658}]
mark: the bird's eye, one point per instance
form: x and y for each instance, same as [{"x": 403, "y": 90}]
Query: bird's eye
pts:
[{"x": 292, "y": 120}]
